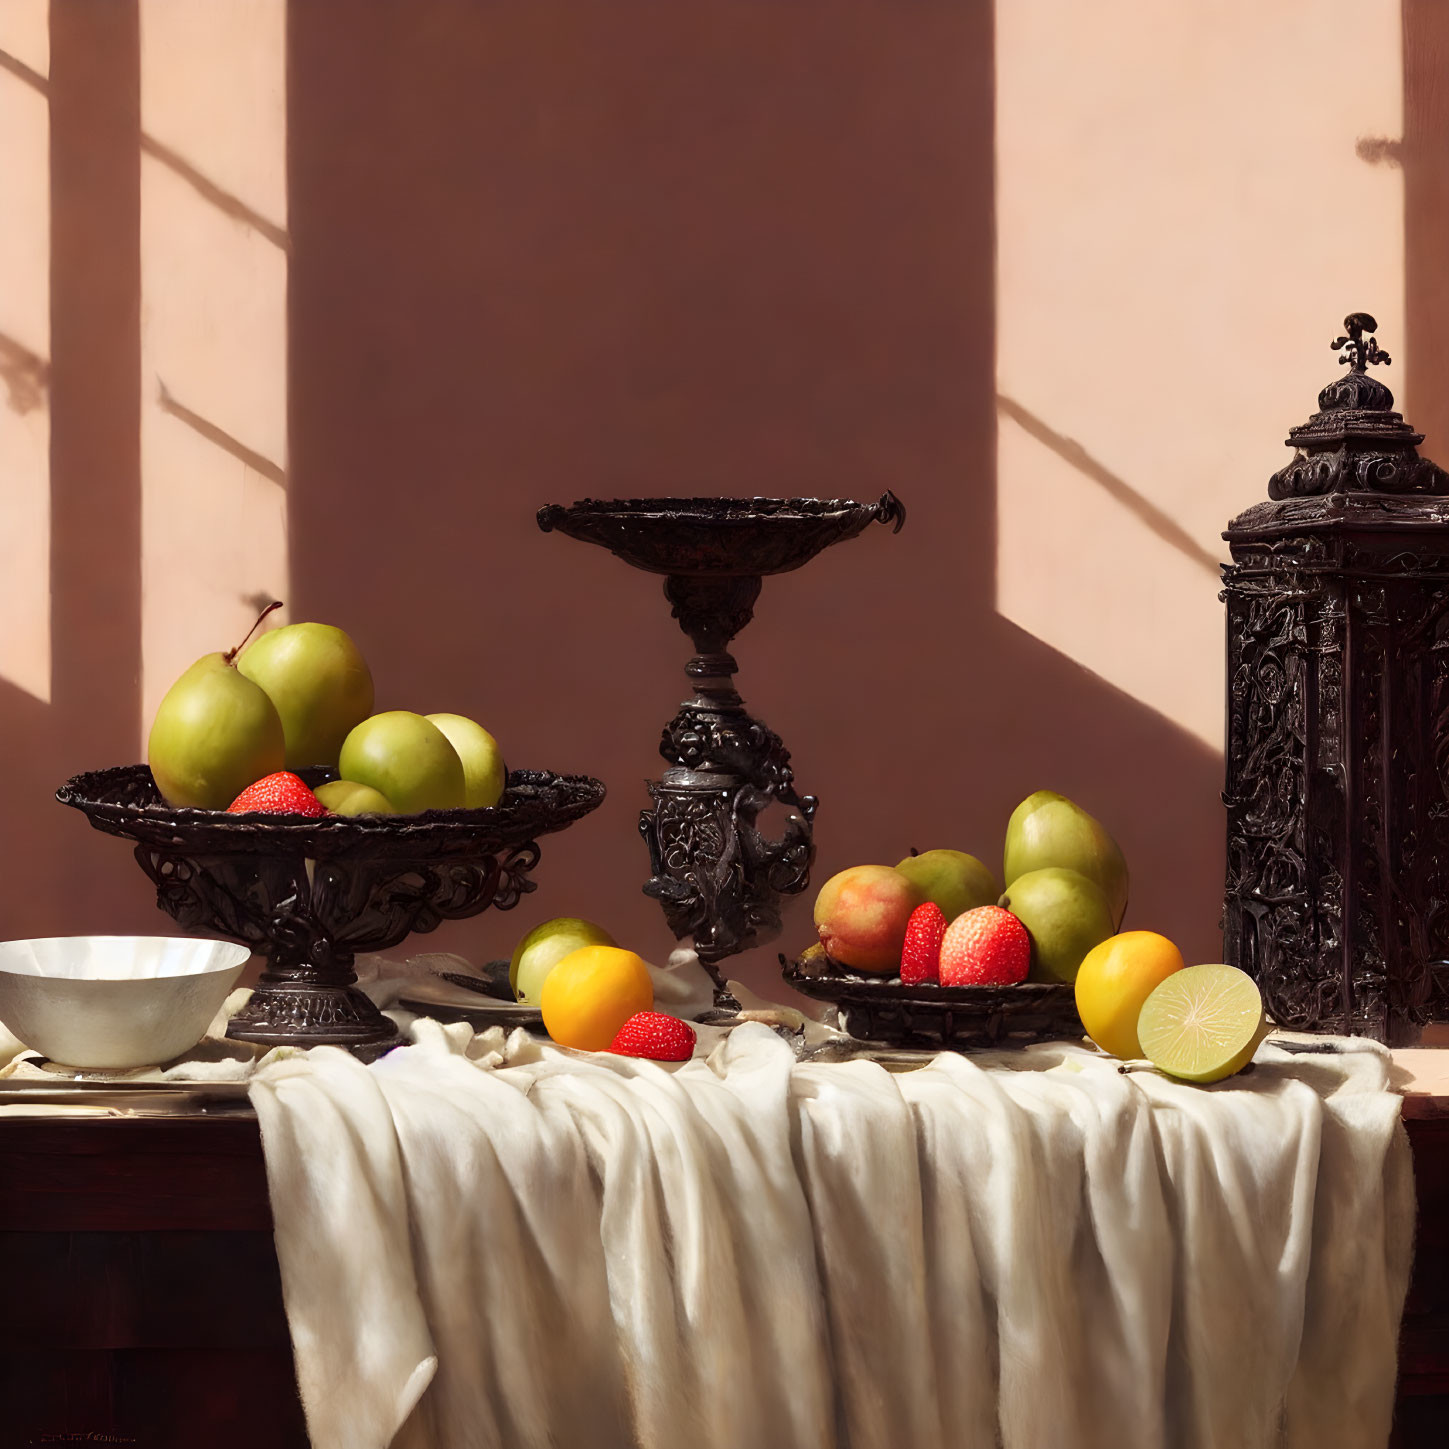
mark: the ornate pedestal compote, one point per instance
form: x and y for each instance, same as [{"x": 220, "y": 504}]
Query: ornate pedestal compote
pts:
[
  {"x": 714, "y": 872},
  {"x": 310, "y": 894}
]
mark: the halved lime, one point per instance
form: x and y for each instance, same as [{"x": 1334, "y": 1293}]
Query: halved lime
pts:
[{"x": 1202, "y": 1023}]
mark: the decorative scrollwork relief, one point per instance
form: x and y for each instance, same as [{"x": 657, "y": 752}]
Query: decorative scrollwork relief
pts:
[
  {"x": 709, "y": 740},
  {"x": 714, "y": 872}
]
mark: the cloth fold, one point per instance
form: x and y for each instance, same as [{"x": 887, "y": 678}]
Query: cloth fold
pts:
[{"x": 488, "y": 1241}]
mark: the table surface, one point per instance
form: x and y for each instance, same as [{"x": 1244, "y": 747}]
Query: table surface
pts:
[
  {"x": 1421, "y": 1073},
  {"x": 148, "y": 1305}
]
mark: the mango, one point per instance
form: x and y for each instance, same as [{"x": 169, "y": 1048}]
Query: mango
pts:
[{"x": 861, "y": 915}]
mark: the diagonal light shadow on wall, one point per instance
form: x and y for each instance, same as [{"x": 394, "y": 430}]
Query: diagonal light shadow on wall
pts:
[
  {"x": 25, "y": 374},
  {"x": 91, "y": 380},
  {"x": 203, "y": 185},
  {"x": 219, "y": 436},
  {"x": 1148, "y": 513},
  {"x": 224, "y": 201},
  {"x": 23, "y": 72}
]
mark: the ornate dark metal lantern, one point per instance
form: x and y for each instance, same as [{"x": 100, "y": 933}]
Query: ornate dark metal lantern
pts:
[{"x": 1337, "y": 788}]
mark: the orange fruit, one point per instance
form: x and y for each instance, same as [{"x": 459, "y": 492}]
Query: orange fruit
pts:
[
  {"x": 591, "y": 993},
  {"x": 1115, "y": 978}
]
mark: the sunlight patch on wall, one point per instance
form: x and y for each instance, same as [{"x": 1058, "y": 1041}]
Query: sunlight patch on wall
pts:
[
  {"x": 1183, "y": 221},
  {"x": 25, "y": 347},
  {"x": 1094, "y": 580},
  {"x": 213, "y": 325}
]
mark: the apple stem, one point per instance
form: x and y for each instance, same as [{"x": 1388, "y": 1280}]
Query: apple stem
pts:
[{"x": 231, "y": 654}]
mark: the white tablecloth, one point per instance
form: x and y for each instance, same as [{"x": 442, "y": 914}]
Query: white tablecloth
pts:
[{"x": 488, "y": 1242}]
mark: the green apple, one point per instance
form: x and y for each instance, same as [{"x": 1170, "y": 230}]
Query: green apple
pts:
[
  {"x": 484, "y": 772},
  {"x": 544, "y": 947},
  {"x": 214, "y": 733},
  {"x": 957, "y": 882},
  {"x": 405, "y": 759},
  {"x": 320, "y": 683},
  {"x": 347, "y": 797}
]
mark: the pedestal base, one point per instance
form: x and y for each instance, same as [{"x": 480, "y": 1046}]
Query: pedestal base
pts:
[{"x": 300, "y": 1015}]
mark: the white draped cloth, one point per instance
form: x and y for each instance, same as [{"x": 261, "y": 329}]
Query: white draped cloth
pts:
[{"x": 489, "y": 1242}]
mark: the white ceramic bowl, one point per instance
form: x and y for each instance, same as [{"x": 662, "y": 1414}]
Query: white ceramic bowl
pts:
[{"x": 107, "y": 1003}]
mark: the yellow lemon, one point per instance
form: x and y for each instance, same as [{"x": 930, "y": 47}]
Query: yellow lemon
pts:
[
  {"x": 1115, "y": 978},
  {"x": 591, "y": 993}
]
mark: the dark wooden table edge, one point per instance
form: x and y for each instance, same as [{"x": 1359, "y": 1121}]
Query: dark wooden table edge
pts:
[{"x": 204, "y": 1172}]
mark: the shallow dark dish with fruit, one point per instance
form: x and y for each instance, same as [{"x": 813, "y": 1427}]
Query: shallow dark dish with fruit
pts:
[
  {"x": 884, "y": 1009},
  {"x": 310, "y": 894}
]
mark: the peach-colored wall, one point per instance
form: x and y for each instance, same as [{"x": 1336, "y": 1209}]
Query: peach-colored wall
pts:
[
  {"x": 1183, "y": 219},
  {"x": 57, "y": 875},
  {"x": 538, "y": 250},
  {"x": 24, "y": 350},
  {"x": 213, "y": 326}
]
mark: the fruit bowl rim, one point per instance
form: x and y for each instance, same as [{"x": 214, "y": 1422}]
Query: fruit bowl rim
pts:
[
  {"x": 829, "y": 985},
  {"x": 706, "y": 509},
  {"x": 718, "y": 537},
  {"x": 542, "y": 802}
]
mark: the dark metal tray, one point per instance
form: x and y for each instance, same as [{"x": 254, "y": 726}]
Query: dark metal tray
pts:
[{"x": 883, "y": 1009}]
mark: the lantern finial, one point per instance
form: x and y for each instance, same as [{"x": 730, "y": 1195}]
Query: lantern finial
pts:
[
  {"x": 1356, "y": 442},
  {"x": 1358, "y": 354}
]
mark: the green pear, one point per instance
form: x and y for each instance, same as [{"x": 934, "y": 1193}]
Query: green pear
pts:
[
  {"x": 347, "y": 797},
  {"x": 544, "y": 947},
  {"x": 320, "y": 683},
  {"x": 957, "y": 882},
  {"x": 214, "y": 734},
  {"x": 1064, "y": 913},
  {"x": 1047, "y": 829},
  {"x": 484, "y": 772},
  {"x": 406, "y": 759}
]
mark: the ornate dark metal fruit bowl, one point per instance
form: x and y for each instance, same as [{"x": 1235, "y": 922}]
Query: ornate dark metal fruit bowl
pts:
[
  {"x": 884, "y": 1009},
  {"x": 311, "y": 894},
  {"x": 717, "y": 877},
  {"x": 723, "y": 536}
]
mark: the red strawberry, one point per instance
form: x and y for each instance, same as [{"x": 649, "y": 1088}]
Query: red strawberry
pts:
[
  {"x": 985, "y": 947},
  {"x": 654, "y": 1035},
  {"x": 921, "y": 954},
  {"x": 279, "y": 794}
]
